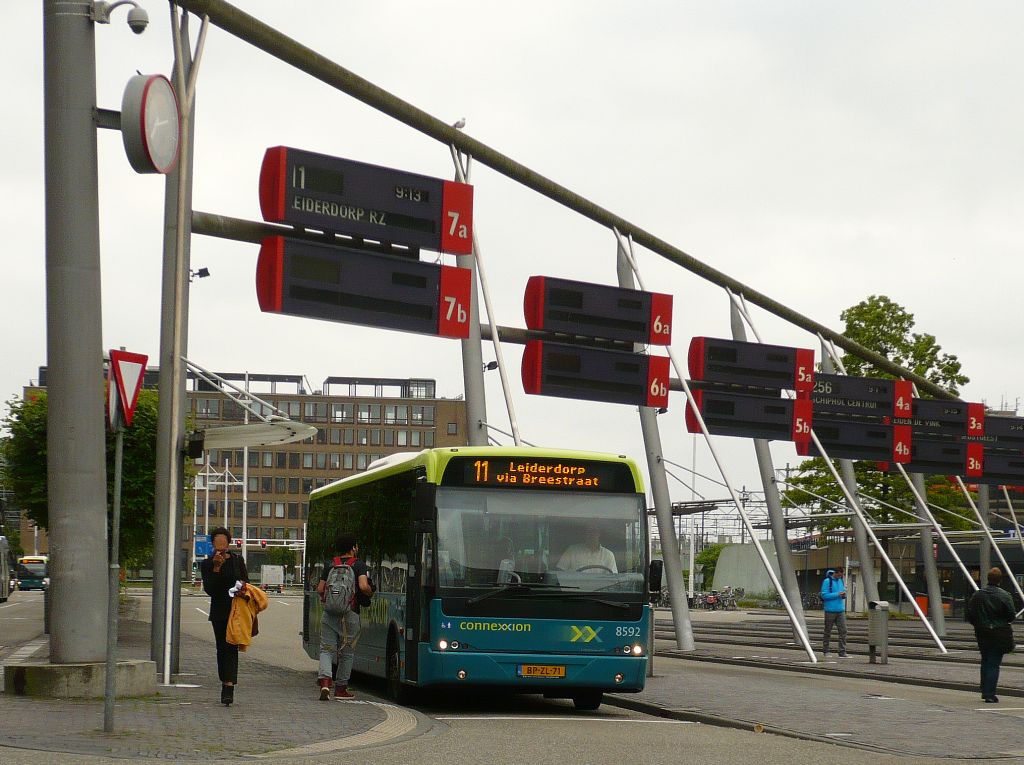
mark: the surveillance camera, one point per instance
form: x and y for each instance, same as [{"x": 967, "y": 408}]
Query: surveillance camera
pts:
[{"x": 138, "y": 20}]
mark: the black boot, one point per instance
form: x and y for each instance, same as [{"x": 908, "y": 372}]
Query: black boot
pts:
[{"x": 227, "y": 695}]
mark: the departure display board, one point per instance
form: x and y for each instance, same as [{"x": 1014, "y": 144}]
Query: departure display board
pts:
[
  {"x": 1003, "y": 434},
  {"x": 859, "y": 440},
  {"x": 548, "y": 473},
  {"x": 756, "y": 365},
  {"x": 945, "y": 420},
  {"x": 598, "y": 310},
  {"x": 595, "y": 374},
  {"x": 842, "y": 395},
  {"x": 348, "y": 197},
  {"x": 746, "y": 416},
  {"x": 341, "y": 284}
]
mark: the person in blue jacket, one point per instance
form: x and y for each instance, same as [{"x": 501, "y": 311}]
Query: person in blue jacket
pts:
[{"x": 833, "y": 597}]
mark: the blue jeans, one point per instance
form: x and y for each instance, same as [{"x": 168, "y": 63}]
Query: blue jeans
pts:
[
  {"x": 338, "y": 638},
  {"x": 991, "y": 658}
]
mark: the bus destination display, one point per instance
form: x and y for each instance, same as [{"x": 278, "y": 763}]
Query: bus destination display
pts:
[
  {"x": 539, "y": 473},
  {"x": 378, "y": 203}
]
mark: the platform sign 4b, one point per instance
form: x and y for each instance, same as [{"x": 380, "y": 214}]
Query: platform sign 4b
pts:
[{"x": 124, "y": 381}]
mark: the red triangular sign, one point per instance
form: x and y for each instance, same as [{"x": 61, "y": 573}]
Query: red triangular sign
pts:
[{"x": 128, "y": 369}]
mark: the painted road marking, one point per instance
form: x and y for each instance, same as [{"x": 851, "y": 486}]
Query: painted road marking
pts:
[
  {"x": 278, "y": 600},
  {"x": 202, "y": 611},
  {"x": 398, "y": 722},
  {"x": 563, "y": 718}
]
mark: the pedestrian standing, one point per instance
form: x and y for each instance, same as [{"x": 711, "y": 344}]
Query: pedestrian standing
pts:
[
  {"x": 220, "y": 574},
  {"x": 990, "y": 610},
  {"x": 344, "y": 586},
  {"x": 833, "y": 598}
]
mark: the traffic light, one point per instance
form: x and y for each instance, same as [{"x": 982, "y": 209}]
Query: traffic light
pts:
[
  {"x": 238, "y": 543},
  {"x": 263, "y": 543}
]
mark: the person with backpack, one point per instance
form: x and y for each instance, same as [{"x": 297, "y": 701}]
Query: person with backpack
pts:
[
  {"x": 833, "y": 599},
  {"x": 990, "y": 610},
  {"x": 344, "y": 586}
]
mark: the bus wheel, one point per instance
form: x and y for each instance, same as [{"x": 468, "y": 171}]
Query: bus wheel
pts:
[
  {"x": 397, "y": 691},
  {"x": 587, "y": 700}
]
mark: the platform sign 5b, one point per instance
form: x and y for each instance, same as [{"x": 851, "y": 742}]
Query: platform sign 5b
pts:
[
  {"x": 378, "y": 203},
  {"x": 358, "y": 287}
]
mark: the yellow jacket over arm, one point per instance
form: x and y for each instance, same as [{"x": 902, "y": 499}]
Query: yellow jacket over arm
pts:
[{"x": 242, "y": 624}]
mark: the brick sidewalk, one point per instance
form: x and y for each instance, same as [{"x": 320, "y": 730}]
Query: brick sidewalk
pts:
[{"x": 275, "y": 709}]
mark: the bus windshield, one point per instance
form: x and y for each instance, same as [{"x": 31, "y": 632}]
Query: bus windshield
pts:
[{"x": 558, "y": 541}]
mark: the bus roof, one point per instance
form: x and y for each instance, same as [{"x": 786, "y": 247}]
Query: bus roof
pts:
[{"x": 435, "y": 461}]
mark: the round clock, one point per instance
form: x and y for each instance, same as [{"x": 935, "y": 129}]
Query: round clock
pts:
[{"x": 150, "y": 124}]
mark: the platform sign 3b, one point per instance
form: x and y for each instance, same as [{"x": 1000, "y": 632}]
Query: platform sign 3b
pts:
[
  {"x": 348, "y": 197},
  {"x": 342, "y": 284}
]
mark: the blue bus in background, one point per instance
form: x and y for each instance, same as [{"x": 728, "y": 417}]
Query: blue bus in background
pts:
[
  {"x": 6, "y": 579},
  {"x": 32, "y": 572},
  {"x": 522, "y": 569}
]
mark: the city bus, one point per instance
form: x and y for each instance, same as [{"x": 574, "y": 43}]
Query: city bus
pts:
[
  {"x": 6, "y": 581},
  {"x": 485, "y": 574},
  {"x": 32, "y": 572}
]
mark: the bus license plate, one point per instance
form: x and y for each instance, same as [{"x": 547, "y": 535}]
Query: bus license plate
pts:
[{"x": 541, "y": 670}]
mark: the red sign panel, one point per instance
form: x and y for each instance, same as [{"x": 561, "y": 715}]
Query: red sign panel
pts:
[{"x": 126, "y": 375}]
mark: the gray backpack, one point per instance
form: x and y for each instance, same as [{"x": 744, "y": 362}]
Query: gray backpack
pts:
[{"x": 340, "y": 592}]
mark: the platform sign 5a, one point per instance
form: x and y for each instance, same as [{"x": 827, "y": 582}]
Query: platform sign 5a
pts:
[
  {"x": 378, "y": 203},
  {"x": 595, "y": 374},
  {"x": 342, "y": 284},
  {"x": 124, "y": 381},
  {"x": 748, "y": 416},
  {"x": 734, "y": 362},
  {"x": 598, "y": 310}
]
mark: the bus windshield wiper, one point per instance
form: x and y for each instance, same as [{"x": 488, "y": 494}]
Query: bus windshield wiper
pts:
[
  {"x": 514, "y": 587},
  {"x": 592, "y": 599}
]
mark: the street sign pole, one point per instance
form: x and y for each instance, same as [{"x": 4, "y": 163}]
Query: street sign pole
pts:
[{"x": 110, "y": 684}]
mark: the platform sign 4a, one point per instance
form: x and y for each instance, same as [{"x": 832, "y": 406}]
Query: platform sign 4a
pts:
[{"x": 124, "y": 381}]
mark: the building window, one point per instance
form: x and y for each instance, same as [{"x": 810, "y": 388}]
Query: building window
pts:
[
  {"x": 282, "y": 459},
  {"x": 422, "y": 415},
  {"x": 453, "y": 428},
  {"x": 375, "y": 437},
  {"x": 362, "y": 436},
  {"x": 389, "y": 414},
  {"x": 321, "y": 461},
  {"x": 254, "y": 484},
  {"x": 316, "y": 411},
  {"x": 208, "y": 408},
  {"x": 254, "y": 459},
  {"x": 307, "y": 460},
  {"x": 307, "y": 485},
  {"x": 293, "y": 485},
  {"x": 428, "y": 439},
  {"x": 361, "y": 461},
  {"x": 304, "y": 511},
  {"x": 403, "y": 438},
  {"x": 268, "y": 459},
  {"x": 236, "y": 509},
  {"x": 414, "y": 438},
  {"x": 293, "y": 510},
  {"x": 264, "y": 510},
  {"x": 280, "y": 485},
  {"x": 291, "y": 409},
  {"x": 335, "y": 461},
  {"x": 342, "y": 412},
  {"x": 252, "y": 509},
  {"x": 279, "y": 509},
  {"x": 321, "y": 435},
  {"x": 236, "y": 532},
  {"x": 350, "y": 436},
  {"x": 294, "y": 459},
  {"x": 335, "y": 436},
  {"x": 389, "y": 438},
  {"x": 401, "y": 414},
  {"x": 348, "y": 461},
  {"x": 266, "y": 485}
]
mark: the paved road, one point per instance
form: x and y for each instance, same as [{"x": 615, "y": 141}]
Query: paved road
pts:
[{"x": 21, "y": 618}]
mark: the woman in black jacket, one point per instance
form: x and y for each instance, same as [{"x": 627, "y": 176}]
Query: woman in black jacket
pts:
[
  {"x": 219, "y": 576},
  {"x": 990, "y": 610}
]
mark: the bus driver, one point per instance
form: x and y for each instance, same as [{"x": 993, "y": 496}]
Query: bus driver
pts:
[{"x": 588, "y": 555}]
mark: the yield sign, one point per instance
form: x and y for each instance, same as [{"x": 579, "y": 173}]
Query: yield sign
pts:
[{"x": 126, "y": 370}]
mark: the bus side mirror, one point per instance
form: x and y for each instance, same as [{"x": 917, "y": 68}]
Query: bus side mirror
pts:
[{"x": 654, "y": 578}]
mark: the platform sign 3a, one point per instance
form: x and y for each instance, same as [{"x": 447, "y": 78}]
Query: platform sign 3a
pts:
[{"x": 124, "y": 381}]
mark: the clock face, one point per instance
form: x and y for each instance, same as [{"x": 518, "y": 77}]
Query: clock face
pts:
[{"x": 161, "y": 124}]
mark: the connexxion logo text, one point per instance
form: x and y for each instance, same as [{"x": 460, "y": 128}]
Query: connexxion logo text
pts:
[{"x": 496, "y": 626}]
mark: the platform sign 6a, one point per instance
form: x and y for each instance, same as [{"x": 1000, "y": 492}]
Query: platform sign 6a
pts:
[
  {"x": 595, "y": 374},
  {"x": 348, "y": 197},
  {"x": 598, "y": 310},
  {"x": 341, "y": 284},
  {"x": 734, "y": 362},
  {"x": 748, "y": 416}
]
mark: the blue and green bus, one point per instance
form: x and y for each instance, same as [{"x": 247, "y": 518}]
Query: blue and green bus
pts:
[
  {"x": 6, "y": 580},
  {"x": 515, "y": 568},
  {"x": 33, "y": 572}
]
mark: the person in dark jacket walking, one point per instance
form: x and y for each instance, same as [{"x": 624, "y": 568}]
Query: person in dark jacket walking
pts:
[
  {"x": 220, "y": 573},
  {"x": 833, "y": 599},
  {"x": 990, "y": 610}
]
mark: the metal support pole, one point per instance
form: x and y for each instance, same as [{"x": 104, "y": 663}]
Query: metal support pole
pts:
[
  {"x": 728, "y": 485},
  {"x": 849, "y": 480},
  {"x": 1013, "y": 515},
  {"x": 931, "y": 569},
  {"x": 461, "y": 175},
  {"x": 780, "y": 536},
  {"x": 110, "y": 681},
  {"x": 245, "y": 487},
  {"x": 75, "y": 435},
  {"x": 985, "y": 545},
  {"x": 662, "y": 503}
]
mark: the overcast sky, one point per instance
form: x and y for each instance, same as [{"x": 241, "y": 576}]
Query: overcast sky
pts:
[{"x": 819, "y": 152}]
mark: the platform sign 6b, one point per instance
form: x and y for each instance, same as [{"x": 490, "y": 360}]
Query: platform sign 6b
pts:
[
  {"x": 595, "y": 374},
  {"x": 598, "y": 310},
  {"x": 734, "y": 362},
  {"x": 348, "y": 197},
  {"x": 358, "y": 287}
]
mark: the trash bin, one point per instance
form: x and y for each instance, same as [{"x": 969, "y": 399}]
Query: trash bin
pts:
[{"x": 878, "y": 630}]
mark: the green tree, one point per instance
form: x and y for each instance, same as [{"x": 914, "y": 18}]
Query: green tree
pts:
[
  {"x": 13, "y": 534},
  {"x": 282, "y": 556},
  {"x": 886, "y": 327},
  {"x": 708, "y": 558},
  {"x": 24, "y": 451}
]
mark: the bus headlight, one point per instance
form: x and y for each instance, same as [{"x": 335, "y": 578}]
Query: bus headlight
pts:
[
  {"x": 638, "y": 650},
  {"x": 442, "y": 644}
]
